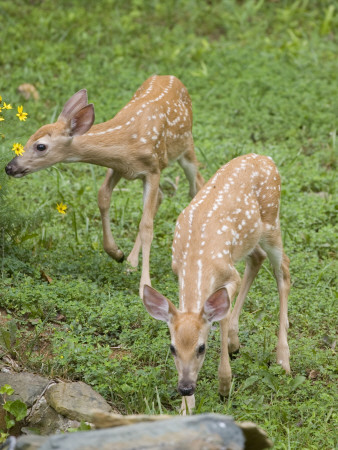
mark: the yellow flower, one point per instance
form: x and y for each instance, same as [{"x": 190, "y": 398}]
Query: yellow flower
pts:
[
  {"x": 1, "y": 119},
  {"x": 0, "y": 99},
  {"x": 22, "y": 115},
  {"x": 18, "y": 149},
  {"x": 61, "y": 207},
  {"x": 9, "y": 106}
]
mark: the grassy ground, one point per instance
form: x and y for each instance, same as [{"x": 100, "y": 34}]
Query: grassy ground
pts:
[{"x": 263, "y": 78}]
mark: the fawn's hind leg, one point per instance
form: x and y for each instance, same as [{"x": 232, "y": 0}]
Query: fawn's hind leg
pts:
[{"x": 280, "y": 263}]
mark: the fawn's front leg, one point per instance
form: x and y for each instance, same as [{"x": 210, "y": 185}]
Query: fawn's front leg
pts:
[
  {"x": 253, "y": 264},
  {"x": 151, "y": 198},
  {"x": 104, "y": 196},
  {"x": 224, "y": 369},
  {"x": 187, "y": 405},
  {"x": 134, "y": 254}
]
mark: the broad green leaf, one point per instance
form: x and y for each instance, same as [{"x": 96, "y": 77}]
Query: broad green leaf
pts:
[
  {"x": 9, "y": 422},
  {"x": 270, "y": 381},
  {"x": 3, "y": 436},
  {"x": 5, "y": 339},
  {"x": 13, "y": 331},
  {"x": 6, "y": 389},
  {"x": 297, "y": 381},
  {"x": 249, "y": 382},
  {"x": 17, "y": 408}
]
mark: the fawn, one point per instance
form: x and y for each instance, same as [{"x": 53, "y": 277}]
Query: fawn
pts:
[
  {"x": 153, "y": 129},
  {"x": 234, "y": 216}
]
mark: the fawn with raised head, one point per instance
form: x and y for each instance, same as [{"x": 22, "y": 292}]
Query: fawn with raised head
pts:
[
  {"x": 155, "y": 127},
  {"x": 234, "y": 216}
]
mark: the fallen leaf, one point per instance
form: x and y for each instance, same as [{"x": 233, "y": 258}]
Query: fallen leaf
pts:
[
  {"x": 28, "y": 91},
  {"x": 45, "y": 277},
  {"x": 313, "y": 374}
]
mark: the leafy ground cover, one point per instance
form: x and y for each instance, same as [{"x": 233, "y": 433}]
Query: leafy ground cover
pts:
[{"x": 263, "y": 78}]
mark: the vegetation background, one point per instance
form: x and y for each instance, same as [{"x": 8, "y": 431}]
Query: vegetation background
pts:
[{"x": 263, "y": 78}]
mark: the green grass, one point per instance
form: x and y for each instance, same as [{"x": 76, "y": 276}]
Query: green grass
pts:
[{"x": 263, "y": 77}]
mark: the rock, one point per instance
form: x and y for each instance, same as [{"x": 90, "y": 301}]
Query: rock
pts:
[
  {"x": 109, "y": 420},
  {"x": 255, "y": 437},
  {"x": 28, "y": 443},
  {"x": 44, "y": 420},
  {"x": 75, "y": 400},
  {"x": 28, "y": 387},
  {"x": 200, "y": 432}
]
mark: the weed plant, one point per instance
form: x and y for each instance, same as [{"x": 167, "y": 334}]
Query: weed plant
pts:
[{"x": 263, "y": 78}]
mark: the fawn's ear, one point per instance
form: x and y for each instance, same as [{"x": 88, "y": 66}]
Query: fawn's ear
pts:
[
  {"x": 157, "y": 305},
  {"x": 82, "y": 121},
  {"x": 73, "y": 105},
  {"x": 216, "y": 306}
]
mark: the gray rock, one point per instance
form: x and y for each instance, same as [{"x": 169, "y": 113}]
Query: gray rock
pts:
[
  {"x": 200, "y": 432},
  {"x": 255, "y": 437},
  {"x": 27, "y": 443},
  {"x": 75, "y": 400},
  {"x": 44, "y": 420},
  {"x": 28, "y": 387},
  {"x": 102, "y": 419}
]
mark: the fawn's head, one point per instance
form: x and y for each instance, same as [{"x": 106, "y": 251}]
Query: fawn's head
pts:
[
  {"x": 50, "y": 144},
  {"x": 188, "y": 331}
]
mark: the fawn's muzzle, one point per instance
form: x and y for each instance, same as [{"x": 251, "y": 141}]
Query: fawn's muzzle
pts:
[
  {"x": 186, "y": 388},
  {"x": 13, "y": 170}
]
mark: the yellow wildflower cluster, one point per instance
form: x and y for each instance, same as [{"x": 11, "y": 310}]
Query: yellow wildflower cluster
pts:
[
  {"x": 18, "y": 149},
  {"x": 21, "y": 115},
  {"x": 61, "y": 207},
  {"x": 4, "y": 106}
]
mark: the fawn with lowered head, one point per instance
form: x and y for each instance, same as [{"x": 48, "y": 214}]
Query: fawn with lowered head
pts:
[
  {"x": 234, "y": 216},
  {"x": 154, "y": 128}
]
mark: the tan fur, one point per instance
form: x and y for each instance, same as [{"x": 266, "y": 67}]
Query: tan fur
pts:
[{"x": 154, "y": 128}]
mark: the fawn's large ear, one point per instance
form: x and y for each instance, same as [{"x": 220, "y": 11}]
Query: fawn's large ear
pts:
[
  {"x": 82, "y": 120},
  {"x": 157, "y": 305},
  {"x": 217, "y": 306},
  {"x": 73, "y": 105}
]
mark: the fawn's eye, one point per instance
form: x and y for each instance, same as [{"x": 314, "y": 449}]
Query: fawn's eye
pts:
[
  {"x": 41, "y": 147},
  {"x": 201, "y": 349},
  {"x": 172, "y": 349}
]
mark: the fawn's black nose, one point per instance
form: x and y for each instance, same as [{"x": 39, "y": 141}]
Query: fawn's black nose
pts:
[
  {"x": 14, "y": 169},
  {"x": 186, "y": 389},
  {"x": 9, "y": 169}
]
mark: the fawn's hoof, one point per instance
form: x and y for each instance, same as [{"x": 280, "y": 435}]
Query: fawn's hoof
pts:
[
  {"x": 223, "y": 397},
  {"x": 234, "y": 354},
  {"x": 233, "y": 344},
  {"x": 114, "y": 253},
  {"x": 120, "y": 259},
  {"x": 224, "y": 388}
]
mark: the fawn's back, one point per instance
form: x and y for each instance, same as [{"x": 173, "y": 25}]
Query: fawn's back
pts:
[{"x": 236, "y": 208}]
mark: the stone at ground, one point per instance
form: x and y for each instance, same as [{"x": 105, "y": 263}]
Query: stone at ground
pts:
[
  {"x": 200, "y": 432},
  {"x": 27, "y": 386},
  {"x": 75, "y": 400},
  {"x": 255, "y": 437},
  {"x": 55, "y": 407},
  {"x": 101, "y": 419},
  {"x": 44, "y": 420}
]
